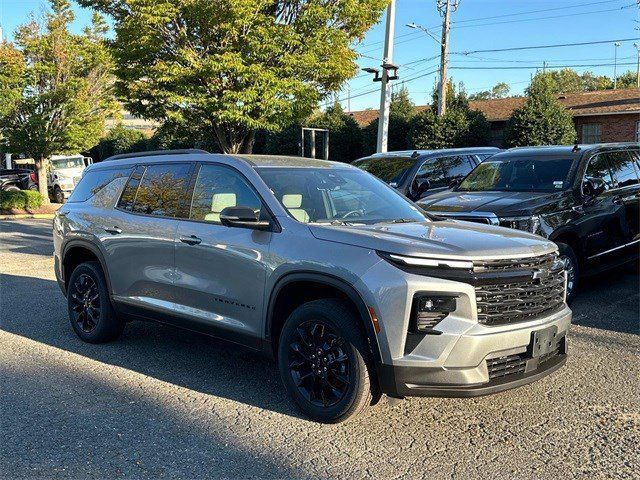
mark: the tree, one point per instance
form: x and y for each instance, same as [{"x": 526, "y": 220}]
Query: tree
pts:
[
  {"x": 12, "y": 79},
  {"x": 232, "y": 67},
  {"x": 120, "y": 140},
  {"x": 66, "y": 95},
  {"x": 542, "y": 120},
  {"x": 499, "y": 90},
  {"x": 400, "y": 112},
  {"x": 628, "y": 80},
  {"x": 458, "y": 127}
]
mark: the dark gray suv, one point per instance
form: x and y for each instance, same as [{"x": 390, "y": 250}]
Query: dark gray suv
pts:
[{"x": 352, "y": 289}]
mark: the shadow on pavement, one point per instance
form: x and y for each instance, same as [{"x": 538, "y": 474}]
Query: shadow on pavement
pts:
[
  {"x": 30, "y": 238},
  {"x": 180, "y": 357}
]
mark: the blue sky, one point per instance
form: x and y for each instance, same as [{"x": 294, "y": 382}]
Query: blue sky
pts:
[{"x": 551, "y": 22}]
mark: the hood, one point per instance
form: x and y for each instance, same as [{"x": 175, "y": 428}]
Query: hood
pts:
[
  {"x": 500, "y": 203},
  {"x": 441, "y": 239}
]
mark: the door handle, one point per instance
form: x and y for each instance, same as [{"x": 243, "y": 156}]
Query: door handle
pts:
[
  {"x": 113, "y": 230},
  {"x": 191, "y": 240}
]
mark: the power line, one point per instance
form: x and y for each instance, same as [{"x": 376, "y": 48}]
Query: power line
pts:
[
  {"x": 530, "y": 67},
  {"x": 544, "y": 18},
  {"x": 565, "y": 7},
  {"x": 535, "y": 47}
]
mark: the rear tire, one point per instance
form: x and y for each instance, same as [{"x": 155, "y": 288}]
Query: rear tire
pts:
[
  {"x": 570, "y": 261},
  {"x": 325, "y": 362},
  {"x": 90, "y": 311},
  {"x": 11, "y": 188}
]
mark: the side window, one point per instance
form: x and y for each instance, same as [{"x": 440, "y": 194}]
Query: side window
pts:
[
  {"x": 434, "y": 170},
  {"x": 218, "y": 187},
  {"x": 623, "y": 168},
  {"x": 459, "y": 167},
  {"x": 95, "y": 181},
  {"x": 598, "y": 167},
  {"x": 130, "y": 190}
]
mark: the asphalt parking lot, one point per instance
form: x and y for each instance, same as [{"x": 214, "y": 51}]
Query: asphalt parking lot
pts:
[{"x": 161, "y": 402}]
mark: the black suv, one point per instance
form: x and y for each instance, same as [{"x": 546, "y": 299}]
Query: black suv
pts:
[
  {"x": 586, "y": 198},
  {"x": 419, "y": 173}
]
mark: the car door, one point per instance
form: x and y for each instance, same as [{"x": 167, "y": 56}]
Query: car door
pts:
[
  {"x": 139, "y": 237},
  {"x": 220, "y": 270},
  {"x": 625, "y": 170},
  {"x": 602, "y": 223}
]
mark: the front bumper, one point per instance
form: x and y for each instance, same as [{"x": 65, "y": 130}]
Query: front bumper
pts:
[{"x": 481, "y": 364}]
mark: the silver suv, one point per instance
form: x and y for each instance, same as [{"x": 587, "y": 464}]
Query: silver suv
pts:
[{"x": 353, "y": 289}]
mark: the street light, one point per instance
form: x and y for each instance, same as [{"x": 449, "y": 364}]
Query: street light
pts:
[
  {"x": 425, "y": 30},
  {"x": 615, "y": 65}
]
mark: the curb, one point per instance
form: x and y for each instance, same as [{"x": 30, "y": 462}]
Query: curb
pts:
[{"x": 27, "y": 215}]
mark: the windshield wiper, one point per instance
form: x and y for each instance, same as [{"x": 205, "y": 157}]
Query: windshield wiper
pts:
[{"x": 398, "y": 220}]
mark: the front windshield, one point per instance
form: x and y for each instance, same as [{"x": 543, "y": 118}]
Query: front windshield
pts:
[
  {"x": 519, "y": 175},
  {"x": 67, "y": 163},
  {"x": 337, "y": 196},
  {"x": 391, "y": 170}
]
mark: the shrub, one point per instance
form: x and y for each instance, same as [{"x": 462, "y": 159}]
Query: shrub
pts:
[{"x": 23, "y": 200}]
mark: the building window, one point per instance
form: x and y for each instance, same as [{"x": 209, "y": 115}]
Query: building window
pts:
[
  {"x": 638, "y": 131},
  {"x": 592, "y": 133}
]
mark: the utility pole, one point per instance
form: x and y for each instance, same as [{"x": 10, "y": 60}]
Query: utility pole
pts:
[
  {"x": 637, "y": 45},
  {"x": 615, "y": 65},
  {"x": 445, "y": 7},
  {"x": 385, "y": 87},
  {"x": 348, "y": 99}
]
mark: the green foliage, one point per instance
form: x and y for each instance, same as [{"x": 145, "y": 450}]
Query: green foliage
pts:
[
  {"x": 499, "y": 90},
  {"x": 345, "y": 136},
  {"x": 628, "y": 80},
  {"x": 400, "y": 112},
  {"x": 542, "y": 120},
  {"x": 22, "y": 200},
  {"x": 12, "y": 70},
  {"x": 231, "y": 67},
  {"x": 119, "y": 140},
  {"x": 458, "y": 127},
  {"x": 66, "y": 95}
]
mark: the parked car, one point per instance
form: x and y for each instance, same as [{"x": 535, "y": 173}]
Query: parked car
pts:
[
  {"x": 63, "y": 174},
  {"x": 14, "y": 179},
  {"x": 420, "y": 173},
  {"x": 586, "y": 198},
  {"x": 344, "y": 281}
]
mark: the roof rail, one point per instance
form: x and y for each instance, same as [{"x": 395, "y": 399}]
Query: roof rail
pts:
[{"x": 154, "y": 153}]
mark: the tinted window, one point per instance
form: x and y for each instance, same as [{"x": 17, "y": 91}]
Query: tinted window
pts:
[
  {"x": 599, "y": 168},
  {"x": 129, "y": 193},
  {"x": 161, "y": 190},
  {"x": 391, "y": 170},
  {"x": 442, "y": 171},
  {"x": 324, "y": 195},
  {"x": 94, "y": 181},
  {"x": 623, "y": 168},
  {"x": 519, "y": 175},
  {"x": 217, "y": 188}
]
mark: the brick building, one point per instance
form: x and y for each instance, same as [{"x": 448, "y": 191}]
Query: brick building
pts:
[{"x": 600, "y": 116}]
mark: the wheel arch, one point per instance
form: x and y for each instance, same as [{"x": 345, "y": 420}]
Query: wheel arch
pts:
[
  {"x": 77, "y": 251},
  {"x": 571, "y": 238},
  {"x": 279, "y": 308}
]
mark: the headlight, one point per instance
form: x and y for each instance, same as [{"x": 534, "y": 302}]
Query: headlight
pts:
[{"x": 528, "y": 224}]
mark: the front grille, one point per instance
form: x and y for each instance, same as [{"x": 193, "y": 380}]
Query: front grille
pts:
[
  {"x": 507, "y": 365},
  {"x": 521, "y": 297}
]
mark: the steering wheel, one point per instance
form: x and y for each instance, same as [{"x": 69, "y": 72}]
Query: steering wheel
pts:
[{"x": 353, "y": 213}]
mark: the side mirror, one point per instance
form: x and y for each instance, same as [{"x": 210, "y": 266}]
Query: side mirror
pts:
[
  {"x": 454, "y": 183},
  {"x": 243, "y": 217},
  {"x": 421, "y": 187},
  {"x": 593, "y": 186}
]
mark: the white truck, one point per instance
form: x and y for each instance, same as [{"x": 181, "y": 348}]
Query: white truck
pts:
[{"x": 63, "y": 174}]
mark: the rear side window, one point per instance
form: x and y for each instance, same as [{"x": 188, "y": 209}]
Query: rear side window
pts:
[
  {"x": 159, "y": 190},
  {"x": 623, "y": 168},
  {"x": 442, "y": 171},
  {"x": 96, "y": 181}
]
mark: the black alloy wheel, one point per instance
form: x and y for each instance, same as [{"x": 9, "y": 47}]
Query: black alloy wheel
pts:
[
  {"x": 319, "y": 364},
  {"x": 85, "y": 303}
]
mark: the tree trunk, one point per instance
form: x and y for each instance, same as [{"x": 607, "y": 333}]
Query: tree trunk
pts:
[
  {"x": 234, "y": 140},
  {"x": 41, "y": 171},
  {"x": 247, "y": 143}
]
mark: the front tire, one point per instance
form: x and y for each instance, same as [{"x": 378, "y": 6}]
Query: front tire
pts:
[
  {"x": 11, "y": 188},
  {"x": 90, "y": 311},
  {"x": 325, "y": 362},
  {"x": 568, "y": 257},
  {"x": 58, "y": 195}
]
